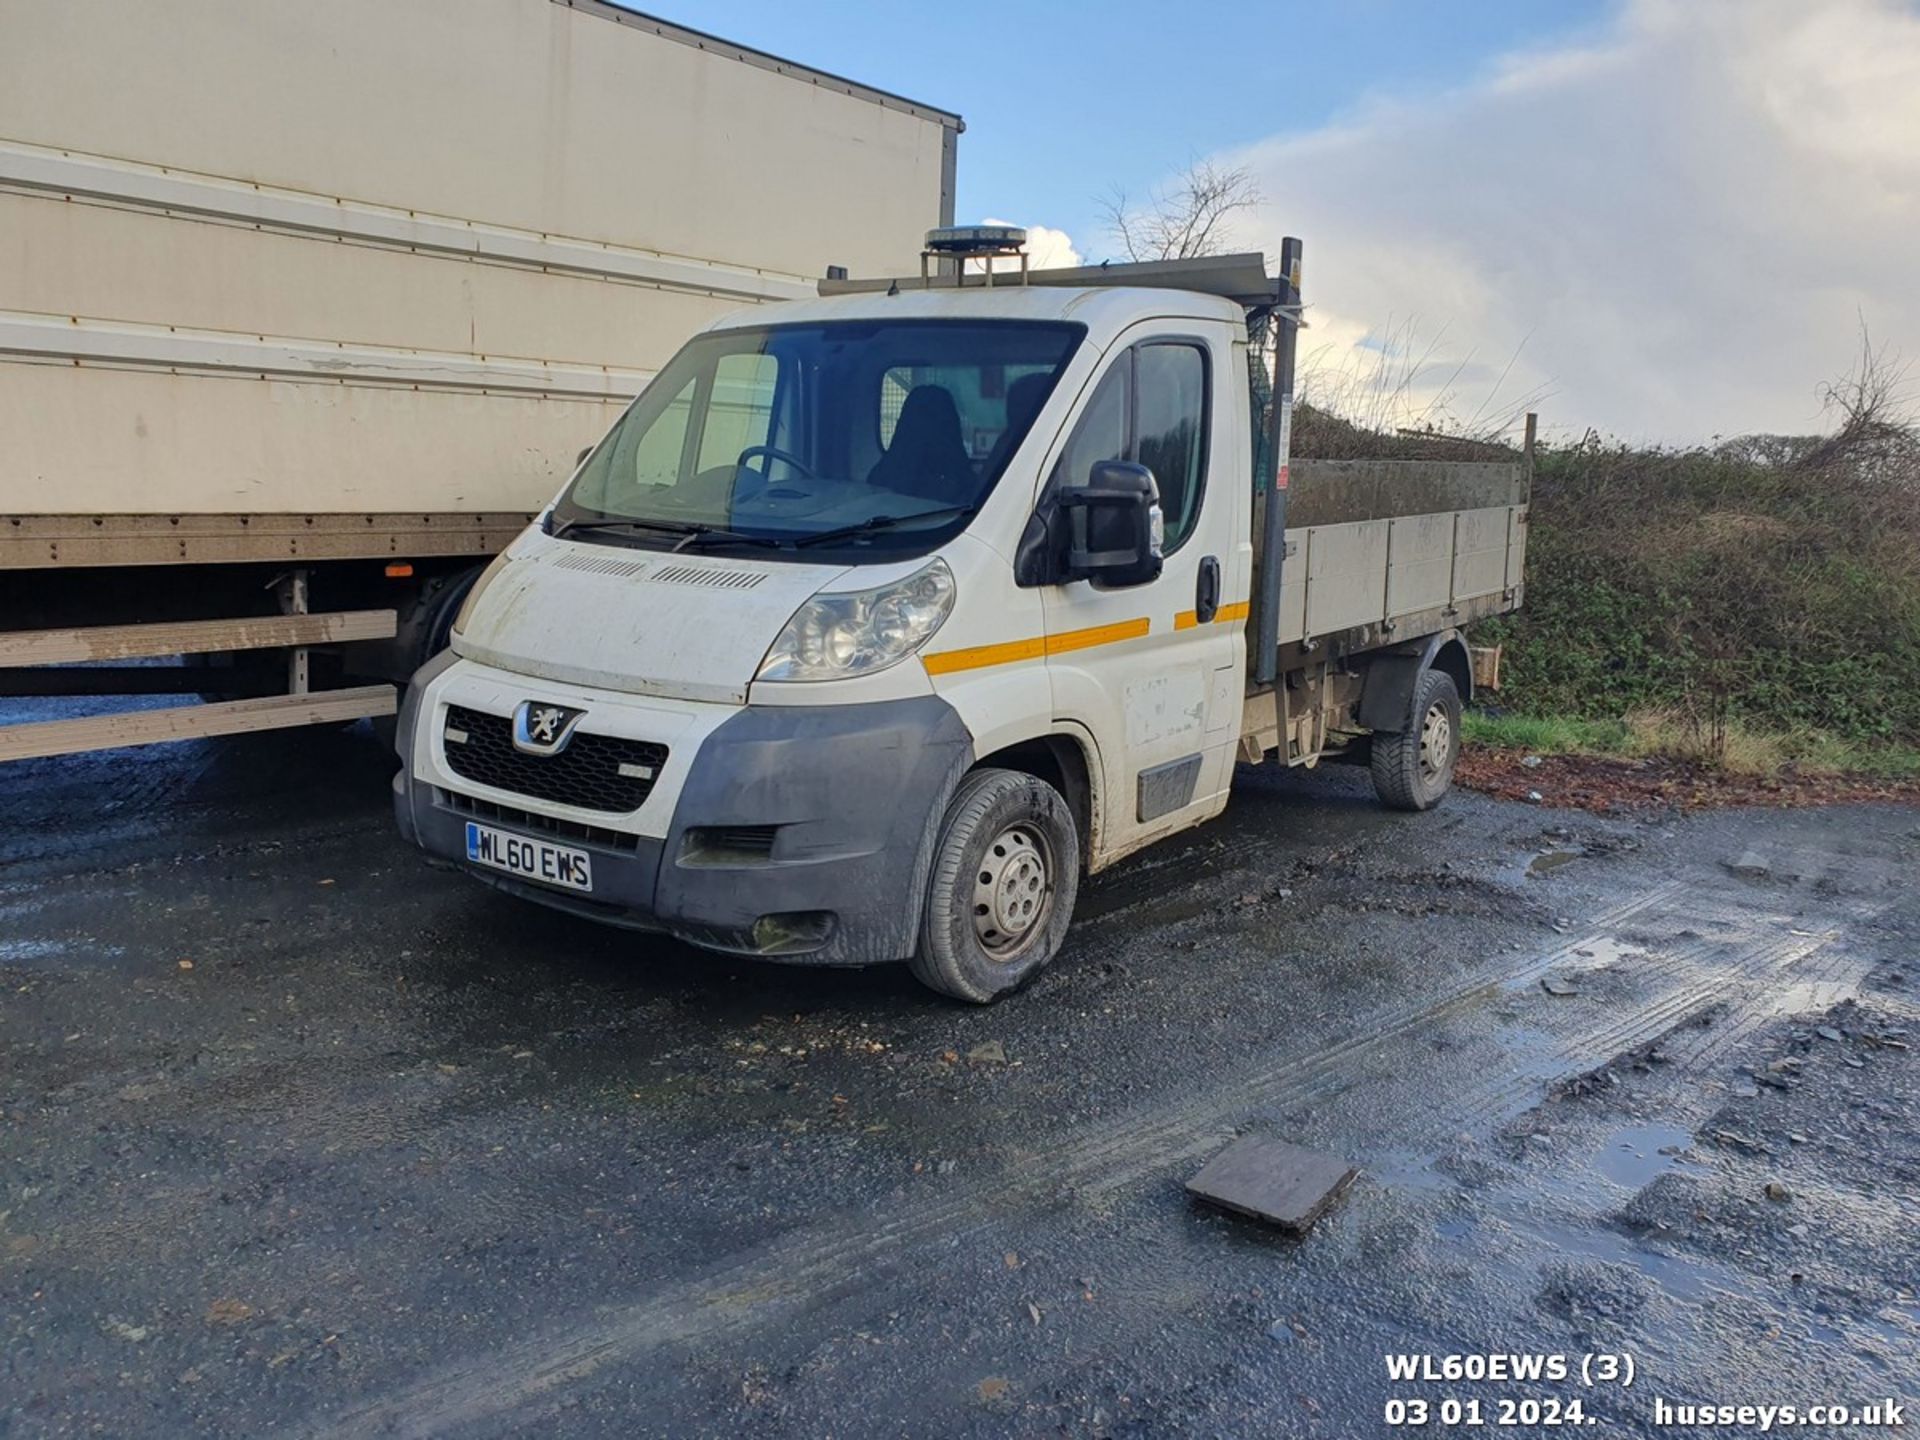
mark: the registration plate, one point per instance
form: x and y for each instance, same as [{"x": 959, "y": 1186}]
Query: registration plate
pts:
[{"x": 530, "y": 859}]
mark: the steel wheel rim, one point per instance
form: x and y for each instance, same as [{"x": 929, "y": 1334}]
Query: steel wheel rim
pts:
[
  {"x": 1012, "y": 892},
  {"x": 1436, "y": 742}
]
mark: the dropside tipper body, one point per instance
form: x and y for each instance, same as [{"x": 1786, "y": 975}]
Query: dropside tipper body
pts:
[{"x": 641, "y": 719}]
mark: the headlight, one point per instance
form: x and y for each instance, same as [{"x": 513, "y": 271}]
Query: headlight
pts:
[{"x": 836, "y": 636}]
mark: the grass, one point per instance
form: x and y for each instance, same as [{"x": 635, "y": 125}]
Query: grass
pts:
[
  {"x": 1546, "y": 734},
  {"x": 1737, "y": 748}
]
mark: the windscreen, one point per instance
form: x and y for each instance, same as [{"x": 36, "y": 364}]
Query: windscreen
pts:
[{"x": 859, "y": 439}]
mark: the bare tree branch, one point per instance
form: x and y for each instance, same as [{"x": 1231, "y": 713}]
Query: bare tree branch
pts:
[
  {"x": 1873, "y": 402},
  {"x": 1191, "y": 219}
]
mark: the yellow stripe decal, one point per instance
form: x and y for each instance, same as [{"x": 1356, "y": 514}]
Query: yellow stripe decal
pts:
[
  {"x": 1008, "y": 651},
  {"x": 1097, "y": 635},
  {"x": 1005, "y": 653},
  {"x": 1239, "y": 610}
]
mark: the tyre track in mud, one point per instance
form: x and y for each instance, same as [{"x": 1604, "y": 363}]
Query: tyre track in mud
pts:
[
  {"x": 1698, "y": 974},
  {"x": 822, "y": 1263},
  {"x": 1823, "y": 973}
]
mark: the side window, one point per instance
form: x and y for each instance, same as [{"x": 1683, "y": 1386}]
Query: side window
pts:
[
  {"x": 1170, "y": 433},
  {"x": 741, "y": 412},
  {"x": 644, "y": 458},
  {"x": 1151, "y": 408},
  {"x": 1102, "y": 430}
]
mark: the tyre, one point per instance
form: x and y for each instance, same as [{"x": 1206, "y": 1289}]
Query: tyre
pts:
[
  {"x": 1414, "y": 768},
  {"x": 1006, "y": 870}
]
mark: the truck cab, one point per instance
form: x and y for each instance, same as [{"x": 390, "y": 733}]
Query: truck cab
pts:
[{"x": 875, "y": 622}]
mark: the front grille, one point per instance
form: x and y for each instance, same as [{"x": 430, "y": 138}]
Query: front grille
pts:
[
  {"x": 585, "y": 774},
  {"x": 478, "y": 809}
]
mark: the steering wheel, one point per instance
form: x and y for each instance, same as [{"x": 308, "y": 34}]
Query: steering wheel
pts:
[{"x": 773, "y": 452}]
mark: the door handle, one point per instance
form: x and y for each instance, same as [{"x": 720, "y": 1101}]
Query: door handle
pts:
[{"x": 1206, "y": 590}]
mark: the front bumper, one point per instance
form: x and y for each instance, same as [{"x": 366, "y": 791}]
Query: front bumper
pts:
[{"x": 842, "y": 804}]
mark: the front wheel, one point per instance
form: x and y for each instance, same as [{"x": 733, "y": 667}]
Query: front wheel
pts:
[
  {"x": 1414, "y": 768},
  {"x": 1005, "y": 874}
]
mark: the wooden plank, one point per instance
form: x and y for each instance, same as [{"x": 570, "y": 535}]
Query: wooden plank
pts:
[
  {"x": 188, "y": 637},
  {"x": 47, "y": 542},
  {"x": 1273, "y": 1181},
  {"x": 193, "y": 722}
]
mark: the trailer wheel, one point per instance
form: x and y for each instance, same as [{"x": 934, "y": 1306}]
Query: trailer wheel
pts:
[
  {"x": 1005, "y": 873},
  {"x": 1413, "y": 768}
]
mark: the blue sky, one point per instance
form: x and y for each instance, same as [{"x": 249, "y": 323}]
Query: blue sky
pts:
[
  {"x": 1064, "y": 101},
  {"x": 1661, "y": 219}
]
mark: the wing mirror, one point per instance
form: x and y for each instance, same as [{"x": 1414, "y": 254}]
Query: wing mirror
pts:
[{"x": 1109, "y": 531}]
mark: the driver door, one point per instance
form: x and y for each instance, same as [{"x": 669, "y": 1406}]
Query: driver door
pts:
[{"x": 1152, "y": 670}]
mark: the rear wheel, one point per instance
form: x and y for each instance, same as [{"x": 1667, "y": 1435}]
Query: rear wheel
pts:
[
  {"x": 1413, "y": 769},
  {"x": 1005, "y": 874}
]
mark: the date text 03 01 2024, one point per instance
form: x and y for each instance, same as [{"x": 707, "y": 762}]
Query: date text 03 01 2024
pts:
[{"x": 1502, "y": 1412}]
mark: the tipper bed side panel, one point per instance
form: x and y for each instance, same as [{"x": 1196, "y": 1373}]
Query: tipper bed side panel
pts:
[{"x": 1384, "y": 551}]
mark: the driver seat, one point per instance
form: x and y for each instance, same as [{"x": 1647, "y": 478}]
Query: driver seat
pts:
[{"x": 927, "y": 459}]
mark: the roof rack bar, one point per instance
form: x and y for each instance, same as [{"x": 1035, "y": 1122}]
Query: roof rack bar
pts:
[{"x": 1242, "y": 278}]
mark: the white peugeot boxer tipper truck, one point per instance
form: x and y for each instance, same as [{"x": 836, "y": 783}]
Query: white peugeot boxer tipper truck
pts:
[{"x": 879, "y": 619}]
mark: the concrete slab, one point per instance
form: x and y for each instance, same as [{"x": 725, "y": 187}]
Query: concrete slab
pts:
[{"x": 1271, "y": 1180}]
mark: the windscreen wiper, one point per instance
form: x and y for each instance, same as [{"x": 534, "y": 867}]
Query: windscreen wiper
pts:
[
  {"x": 701, "y": 536},
  {"x": 590, "y": 524},
  {"x": 884, "y": 522},
  {"x": 689, "y": 535}
]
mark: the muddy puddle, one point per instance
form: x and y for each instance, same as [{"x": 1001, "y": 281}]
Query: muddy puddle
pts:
[
  {"x": 1638, "y": 1155},
  {"x": 1551, "y": 860}
]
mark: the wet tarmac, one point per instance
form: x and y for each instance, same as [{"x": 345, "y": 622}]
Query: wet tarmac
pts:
[{"x": 300, "y": 1136}]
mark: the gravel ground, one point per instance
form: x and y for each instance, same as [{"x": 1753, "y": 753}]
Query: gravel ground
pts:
[{"x": 300, "y": 1136}]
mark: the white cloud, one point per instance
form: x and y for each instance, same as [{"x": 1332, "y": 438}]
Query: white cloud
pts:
[
  {"x": 1047, "y": 248},
  {"x": 1674, "y": 228}
]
